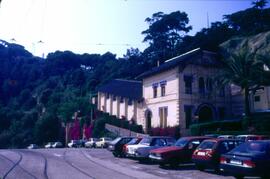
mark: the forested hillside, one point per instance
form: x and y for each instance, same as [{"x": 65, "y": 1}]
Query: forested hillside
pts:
[{"x": 37, "y": 95}]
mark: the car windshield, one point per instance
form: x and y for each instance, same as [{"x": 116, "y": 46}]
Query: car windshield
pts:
[
  {"x": 250, "y": 147},
  {"x": 170, "y": 141},
  {"x": 207, "y": 145},
  {"x": 146, "y": 141},
  {"x": 133, "y": 141},
  {"x": 115, "y": 140},
  {"x": 181, "y": 142}
]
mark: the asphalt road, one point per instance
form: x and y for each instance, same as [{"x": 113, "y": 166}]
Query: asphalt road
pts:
[{"x": 86, "y": 163}]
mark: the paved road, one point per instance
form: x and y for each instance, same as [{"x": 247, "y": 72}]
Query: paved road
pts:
[{"x": 86, "y": 163}]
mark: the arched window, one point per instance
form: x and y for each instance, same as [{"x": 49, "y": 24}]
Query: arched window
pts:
[
  {"x": 201, "y": 86},
  {"x": 209, "y": 85}
]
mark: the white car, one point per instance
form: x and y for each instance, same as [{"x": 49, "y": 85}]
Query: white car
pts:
[
  {"x": 49, "y": 145},
  {"x": 91, "y": 143},
  {"x": 74, "y": 143},
  {"x": 57, "y": 145},
  {"x": 32, "y": 146},
  {"x": 103, "y": 142},
  {"x": 226, "y": 137}
]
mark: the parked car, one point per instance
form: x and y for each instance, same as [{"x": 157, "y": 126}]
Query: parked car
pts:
[
  {"x": 91, "y": 143},
  {"x": 207, "y": 154},
  {"x": 33, "y": 146},
  {"x": 252, "y": 137},
  {"x": 103, "y": 142},
  {"x": 212, "y": 135},
  {"x": 226, "y": 137},
  {"x": 180, "y": 152},
  {"x": 116, "y": 146},
  {"x": 57, "y": 145},
  {"x": 49, "y": 145},
  {"x": 75, "y": 143},
  {"x": 248, "y": 159},
  {"x": 142, "y": 150},
  {"x": 134, "y": 141}
]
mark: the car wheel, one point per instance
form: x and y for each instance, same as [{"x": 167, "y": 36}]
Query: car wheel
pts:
[
  {"x": 239, "y": 176},
  {"x": 200, "y": 167},
  {"x": 174, "y": 164}
]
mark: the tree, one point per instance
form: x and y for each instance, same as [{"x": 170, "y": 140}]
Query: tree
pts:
[
  {"x": 164, "y": 32},
  {"x": 259, "y": 4},
  {"x": 244, "y": 70},
  {"x": 250, "y": 21}
]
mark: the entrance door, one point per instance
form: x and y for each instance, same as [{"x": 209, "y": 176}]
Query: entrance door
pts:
[
  {"x": 205, "y": 114},
  {"x": 148, "y": 116}
]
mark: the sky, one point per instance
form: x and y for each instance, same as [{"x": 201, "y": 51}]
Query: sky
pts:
[{"x": 98, "y": 26}]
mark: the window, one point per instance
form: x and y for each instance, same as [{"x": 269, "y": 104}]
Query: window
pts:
[
  {"x": 221, "y": 87},
  {"x": 257, "y": 98},
  {"x": 154, "y": 91},
  {"x": 222, "y": 92},
  {"x": 163, "y": 113},
  {"x": 121, "y": 100},
  {"x": 201, "y": 86},
  {"x": 209, "y": 85},
  {"x": 188, "y": 115},
  {"x": 188, "y": 84},
  {"x": 130, "y": 102},
  {"x": 163, "y": 90}
]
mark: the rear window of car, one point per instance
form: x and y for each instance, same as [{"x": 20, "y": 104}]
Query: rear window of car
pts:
[
  {"x": 207, "y": 145},
  {"x": 251, "y": 147},
  {"x": 146, "y": 141},
  {"x": 133, "y": 141},
  {"x": 170, "y": 141},
  {"x": 181, "y": 142},
  {"x": 115, "y": 140}
]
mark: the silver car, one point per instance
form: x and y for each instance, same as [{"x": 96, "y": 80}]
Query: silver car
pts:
[{"x": 141, "y": 151}]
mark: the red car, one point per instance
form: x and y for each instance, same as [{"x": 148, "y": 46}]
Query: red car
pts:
[
  {"x": 207, "y": 154},
  {"x": 180, "y": 152}
]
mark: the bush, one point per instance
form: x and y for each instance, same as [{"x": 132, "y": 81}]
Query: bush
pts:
[{"x": 203, "y": 128}]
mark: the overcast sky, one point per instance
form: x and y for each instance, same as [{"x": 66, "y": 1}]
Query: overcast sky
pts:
[{"x": 98, "y": 26}]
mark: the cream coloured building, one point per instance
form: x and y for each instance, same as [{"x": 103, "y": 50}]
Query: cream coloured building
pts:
[
  {"x": 180, "y": 92},
  {"x": 122, "y": 98}
]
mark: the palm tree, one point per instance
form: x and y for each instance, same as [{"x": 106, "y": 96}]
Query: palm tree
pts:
[{"x": 246, "y": 71}]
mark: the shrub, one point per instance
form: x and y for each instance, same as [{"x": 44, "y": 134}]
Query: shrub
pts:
[{"x": 198, "y": 129}]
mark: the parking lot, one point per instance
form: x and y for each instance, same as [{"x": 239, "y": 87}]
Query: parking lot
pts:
[{"x": 86, "y": 163}]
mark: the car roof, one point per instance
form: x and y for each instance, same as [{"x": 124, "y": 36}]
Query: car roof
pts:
[
  {"x": 163, "y": 137},
  {"x": 197, "y": 137},
  {"x": 221, "y": 139}
]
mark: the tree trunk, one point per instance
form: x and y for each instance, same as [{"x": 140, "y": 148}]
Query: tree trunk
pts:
[{"x": 247, "y": 105}]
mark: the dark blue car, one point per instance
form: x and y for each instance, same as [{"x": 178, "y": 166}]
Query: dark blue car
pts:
[{"x": 248, "y": 159}]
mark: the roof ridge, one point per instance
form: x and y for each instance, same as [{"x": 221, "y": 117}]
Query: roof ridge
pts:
[{"x": 184, "y": 54}]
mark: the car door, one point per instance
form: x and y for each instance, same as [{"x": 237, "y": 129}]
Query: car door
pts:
[{"x": 191, "y": 146}]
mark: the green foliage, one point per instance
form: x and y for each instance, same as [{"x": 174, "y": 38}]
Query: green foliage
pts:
[
  {"x": 203, "y": 128},
  {"x": 47, "y": 128}
]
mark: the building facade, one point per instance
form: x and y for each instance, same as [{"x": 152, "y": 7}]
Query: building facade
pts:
[{"x": 180, "y": 92}]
